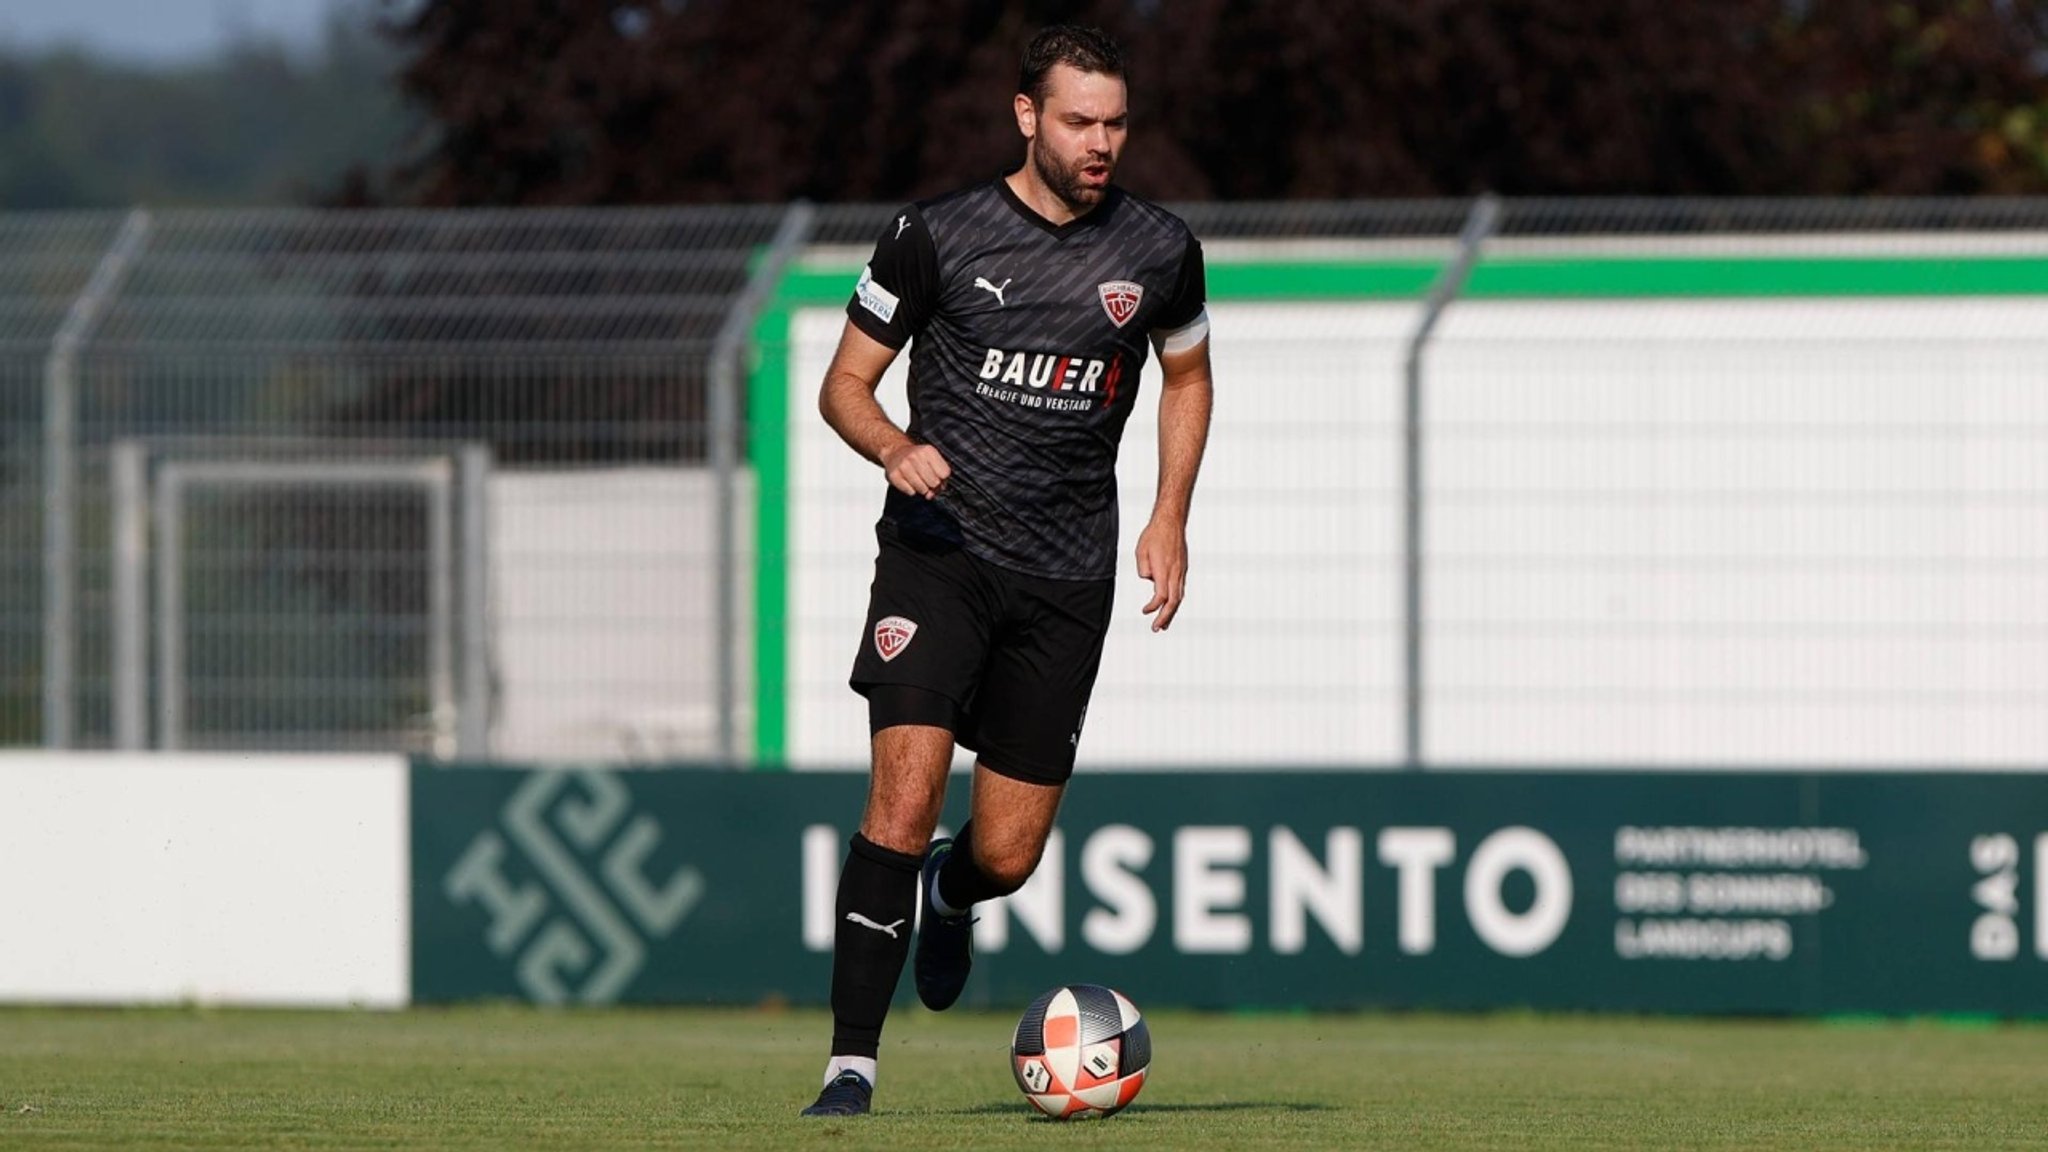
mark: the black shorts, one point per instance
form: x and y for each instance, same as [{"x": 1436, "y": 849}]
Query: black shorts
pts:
[{"x": 1016, "y": 654}]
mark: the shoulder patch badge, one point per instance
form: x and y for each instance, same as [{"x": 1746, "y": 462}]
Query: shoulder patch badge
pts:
[
  {"x": 874, "y": 297},
  {"x": 892, "y": 636}
]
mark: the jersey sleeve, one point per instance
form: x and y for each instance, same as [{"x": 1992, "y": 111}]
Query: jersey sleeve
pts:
[
  {"x": 900, "y": 285},
  {"x": 1190, "y": 293}
]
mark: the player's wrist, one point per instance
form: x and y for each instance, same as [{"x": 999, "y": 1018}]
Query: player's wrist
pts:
[
  {"x": 1168, "y": 520},
  {"x": 893, "y": 451}
]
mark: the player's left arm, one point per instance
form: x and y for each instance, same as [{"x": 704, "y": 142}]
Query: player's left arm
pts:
[{"x": 1184, "y": 405}]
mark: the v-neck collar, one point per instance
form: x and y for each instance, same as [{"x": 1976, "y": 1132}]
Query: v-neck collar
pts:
[{"x": 1089, "y": 219}]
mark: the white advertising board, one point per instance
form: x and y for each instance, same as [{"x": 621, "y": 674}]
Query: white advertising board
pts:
[{"x": 214, "y": 879}]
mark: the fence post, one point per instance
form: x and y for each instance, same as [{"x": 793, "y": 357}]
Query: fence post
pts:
[
  {"x": 129, "y": 466},
  {"x": 1450, "y": 281},
  {"x": 441, "y": 479},
  {"x": 60, "y": 482},
  {"x": 473, "y": 716},
  {"x": 167, "y": 500},
  {"x": 726, "y": 352}
]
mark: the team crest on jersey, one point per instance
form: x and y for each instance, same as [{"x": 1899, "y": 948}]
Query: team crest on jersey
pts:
[
  {"x": 1120, "y": 299},
  {"x": 892, "y": 636}
]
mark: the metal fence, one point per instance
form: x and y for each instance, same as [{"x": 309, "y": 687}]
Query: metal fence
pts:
[
  {"x": 481, "y": 483},
  {"x": 306, "y": 612}
]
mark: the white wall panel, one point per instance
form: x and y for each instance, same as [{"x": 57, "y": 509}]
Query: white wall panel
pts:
[{"x": 212, "y": 879}]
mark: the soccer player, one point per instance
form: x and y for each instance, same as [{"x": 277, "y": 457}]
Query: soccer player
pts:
[{"x": 1029, "y": 303}]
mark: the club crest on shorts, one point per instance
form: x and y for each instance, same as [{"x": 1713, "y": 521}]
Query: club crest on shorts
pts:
[
  {"x": 892, "y": 636},
  {"x": 1120, "y": 299}
]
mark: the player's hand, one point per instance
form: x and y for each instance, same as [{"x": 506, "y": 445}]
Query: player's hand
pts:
[
  {"x": 1163, "y": 559},
  {"x": 916, "y": 470}
]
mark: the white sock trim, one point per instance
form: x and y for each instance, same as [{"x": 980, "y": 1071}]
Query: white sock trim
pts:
[{"x": 865, "y": 1065}]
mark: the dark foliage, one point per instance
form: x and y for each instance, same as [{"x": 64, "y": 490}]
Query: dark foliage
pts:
[{"x": 667, "y": 101}]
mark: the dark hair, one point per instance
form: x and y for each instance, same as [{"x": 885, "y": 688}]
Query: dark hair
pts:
[{"x": 1086, "y": 49}]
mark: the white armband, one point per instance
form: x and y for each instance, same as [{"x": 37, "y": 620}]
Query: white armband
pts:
[{"x": 1186, "y": 336}]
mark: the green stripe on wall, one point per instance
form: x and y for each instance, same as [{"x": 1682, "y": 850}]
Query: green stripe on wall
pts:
[
  {"x": 1617, "y": 277},
  {"x": 768, "y": 448},
  {"x": 1759, "y": 276},
  {"x": 1501, "y": 278},
  {"x": 1398, "y": 280},
  {"x": 1634, "y": 277}
]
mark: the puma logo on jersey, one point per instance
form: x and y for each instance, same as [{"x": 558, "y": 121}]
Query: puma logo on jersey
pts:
[
  {"x": 994, "y": 289},
  {"x": 1045, "y": 371},
  {"x": 857, "y": 918}
]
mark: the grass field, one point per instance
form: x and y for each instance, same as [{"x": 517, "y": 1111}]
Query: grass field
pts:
[{"x": 507, "y": 1077}]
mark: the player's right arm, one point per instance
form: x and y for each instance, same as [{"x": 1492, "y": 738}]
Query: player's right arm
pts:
[
  {"x": 847, "y": 401},
  {"x": 895, "y": 296}
]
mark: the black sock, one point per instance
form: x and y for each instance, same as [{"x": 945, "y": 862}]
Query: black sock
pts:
[
  {"x": 877, "y": 898},
  {"x": 962, "y": 883}
]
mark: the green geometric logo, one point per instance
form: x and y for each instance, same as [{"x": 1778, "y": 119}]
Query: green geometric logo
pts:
[{"x": 598, "y": 921}]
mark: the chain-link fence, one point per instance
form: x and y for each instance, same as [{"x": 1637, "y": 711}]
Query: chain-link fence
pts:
[
  {"x": 1653, "y": 482},
  {"x": 309, "y": 608},
  {"x": 1751, "y": 483},
  {"x": 48, "y": 261}
]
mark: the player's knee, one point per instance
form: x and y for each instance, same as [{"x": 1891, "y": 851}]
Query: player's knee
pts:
[
  {"x": 1008, "y": 868},
  {"x": 901, "y": 828},
  {"x": 902, "y": 820}
]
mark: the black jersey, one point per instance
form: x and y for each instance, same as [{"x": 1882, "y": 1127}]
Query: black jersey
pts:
[{"x": 1028, "y": 341}]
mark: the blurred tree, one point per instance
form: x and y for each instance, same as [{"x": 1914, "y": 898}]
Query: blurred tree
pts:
[
  {"x": 611, "y": 101},
  {"x": 1918, "y": 96},
  {"x": 655, "y": 101},
  {"x": 254, "y": 126}
]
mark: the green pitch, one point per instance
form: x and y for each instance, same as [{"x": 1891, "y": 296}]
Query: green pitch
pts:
[{"x": 498, "y": 1078}]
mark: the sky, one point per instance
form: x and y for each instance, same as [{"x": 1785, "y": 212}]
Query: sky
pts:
[{"x": 162, "y": 31}]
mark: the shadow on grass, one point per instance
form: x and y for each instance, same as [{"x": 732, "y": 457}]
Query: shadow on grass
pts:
[{"x": 1141, "y": 1109}]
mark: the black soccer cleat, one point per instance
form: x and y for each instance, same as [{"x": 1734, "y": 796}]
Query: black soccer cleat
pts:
[
  {"x": 849, "y": 1094},
  {"x": 945, "y": 944}
]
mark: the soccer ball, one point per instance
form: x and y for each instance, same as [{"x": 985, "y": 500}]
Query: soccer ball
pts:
[{"x": 1081, "y": 1050}]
